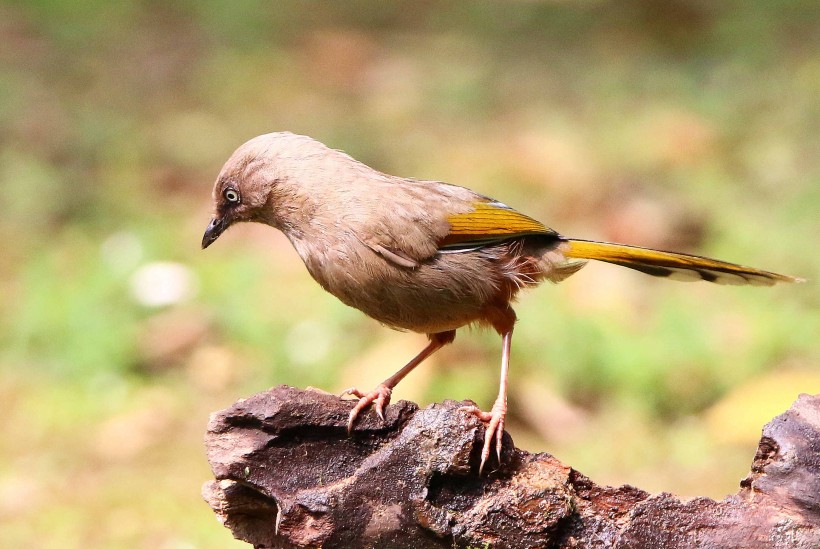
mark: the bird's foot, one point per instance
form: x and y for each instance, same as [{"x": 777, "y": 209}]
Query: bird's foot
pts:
[
  {"x": 380, "y": 396},
  {"x": 494, "y": 430}
]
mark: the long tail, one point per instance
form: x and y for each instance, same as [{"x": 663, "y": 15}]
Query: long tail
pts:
[{"x": 673, "y": 265}]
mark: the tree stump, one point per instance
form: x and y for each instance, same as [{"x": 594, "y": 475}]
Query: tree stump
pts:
[{"x": 288, "y": 475}]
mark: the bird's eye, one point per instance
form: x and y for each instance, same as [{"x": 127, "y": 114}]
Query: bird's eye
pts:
[{"x": 231, "y": 195}]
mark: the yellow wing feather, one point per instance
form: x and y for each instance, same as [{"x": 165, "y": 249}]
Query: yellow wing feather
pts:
[{"x": 490, "y": 221}]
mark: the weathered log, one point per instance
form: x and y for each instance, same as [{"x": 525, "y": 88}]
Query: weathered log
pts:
[{"x": 288, "y": 475}]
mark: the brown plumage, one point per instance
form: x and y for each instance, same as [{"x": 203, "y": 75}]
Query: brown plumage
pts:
[{"x": 419, "y": 255}]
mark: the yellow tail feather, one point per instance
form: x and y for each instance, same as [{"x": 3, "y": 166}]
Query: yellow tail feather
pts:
[{"x": 673, "y": 265}]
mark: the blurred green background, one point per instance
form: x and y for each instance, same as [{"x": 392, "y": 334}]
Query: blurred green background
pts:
[{"x": 690, "y": 125}]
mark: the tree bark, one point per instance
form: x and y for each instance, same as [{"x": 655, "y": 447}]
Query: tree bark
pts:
[{"x": 288, "y": 475}]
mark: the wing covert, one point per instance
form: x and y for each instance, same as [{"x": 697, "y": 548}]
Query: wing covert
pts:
[{"x": 489, "y": 222}]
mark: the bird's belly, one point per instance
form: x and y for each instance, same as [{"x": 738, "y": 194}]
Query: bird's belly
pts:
[{"x": 443, "y": 293}]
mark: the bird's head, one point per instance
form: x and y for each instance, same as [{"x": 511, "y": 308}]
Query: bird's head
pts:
[{"x": 252, "y": 182}]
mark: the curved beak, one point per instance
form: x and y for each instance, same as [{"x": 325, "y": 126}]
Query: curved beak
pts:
[{"x": 215, "y": 228}]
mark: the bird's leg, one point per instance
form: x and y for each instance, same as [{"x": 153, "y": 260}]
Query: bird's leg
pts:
[
  {"x": 381, "y": 394},
  {"x": 495, "y": 417}
]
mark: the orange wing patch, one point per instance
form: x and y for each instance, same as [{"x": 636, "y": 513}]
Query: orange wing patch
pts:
[{"x": 488, "y": 222}]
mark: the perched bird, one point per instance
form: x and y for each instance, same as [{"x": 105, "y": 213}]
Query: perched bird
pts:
[{"x": 420, "y": 255}]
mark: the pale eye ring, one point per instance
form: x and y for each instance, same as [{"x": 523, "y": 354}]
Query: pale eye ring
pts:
[{"x": 231, "y": 195}]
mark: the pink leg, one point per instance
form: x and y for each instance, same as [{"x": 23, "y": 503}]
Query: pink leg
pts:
[
  {"x": 495, "y": 418},
  {"x": 381, "y": 394}
]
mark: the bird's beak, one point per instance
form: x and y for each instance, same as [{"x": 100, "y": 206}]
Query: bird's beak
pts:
[{"x": 215, "y": 228}]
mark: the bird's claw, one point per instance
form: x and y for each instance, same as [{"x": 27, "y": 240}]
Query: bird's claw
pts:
[
  {"x": 380, "y": 397},
  {"x": 494, "y": 429},
  {"x": 352, "y": 391}
]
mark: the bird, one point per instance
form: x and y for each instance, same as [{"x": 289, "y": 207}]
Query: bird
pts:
[{"x": 420, "y": 255}]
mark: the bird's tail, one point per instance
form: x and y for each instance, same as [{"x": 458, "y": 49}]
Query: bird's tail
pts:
[{"x": 672, "y": 265}]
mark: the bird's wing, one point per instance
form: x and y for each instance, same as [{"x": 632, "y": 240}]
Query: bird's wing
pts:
[
  {"x": 429, "y": 217},
  {"x": 489, "y": 222}
]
